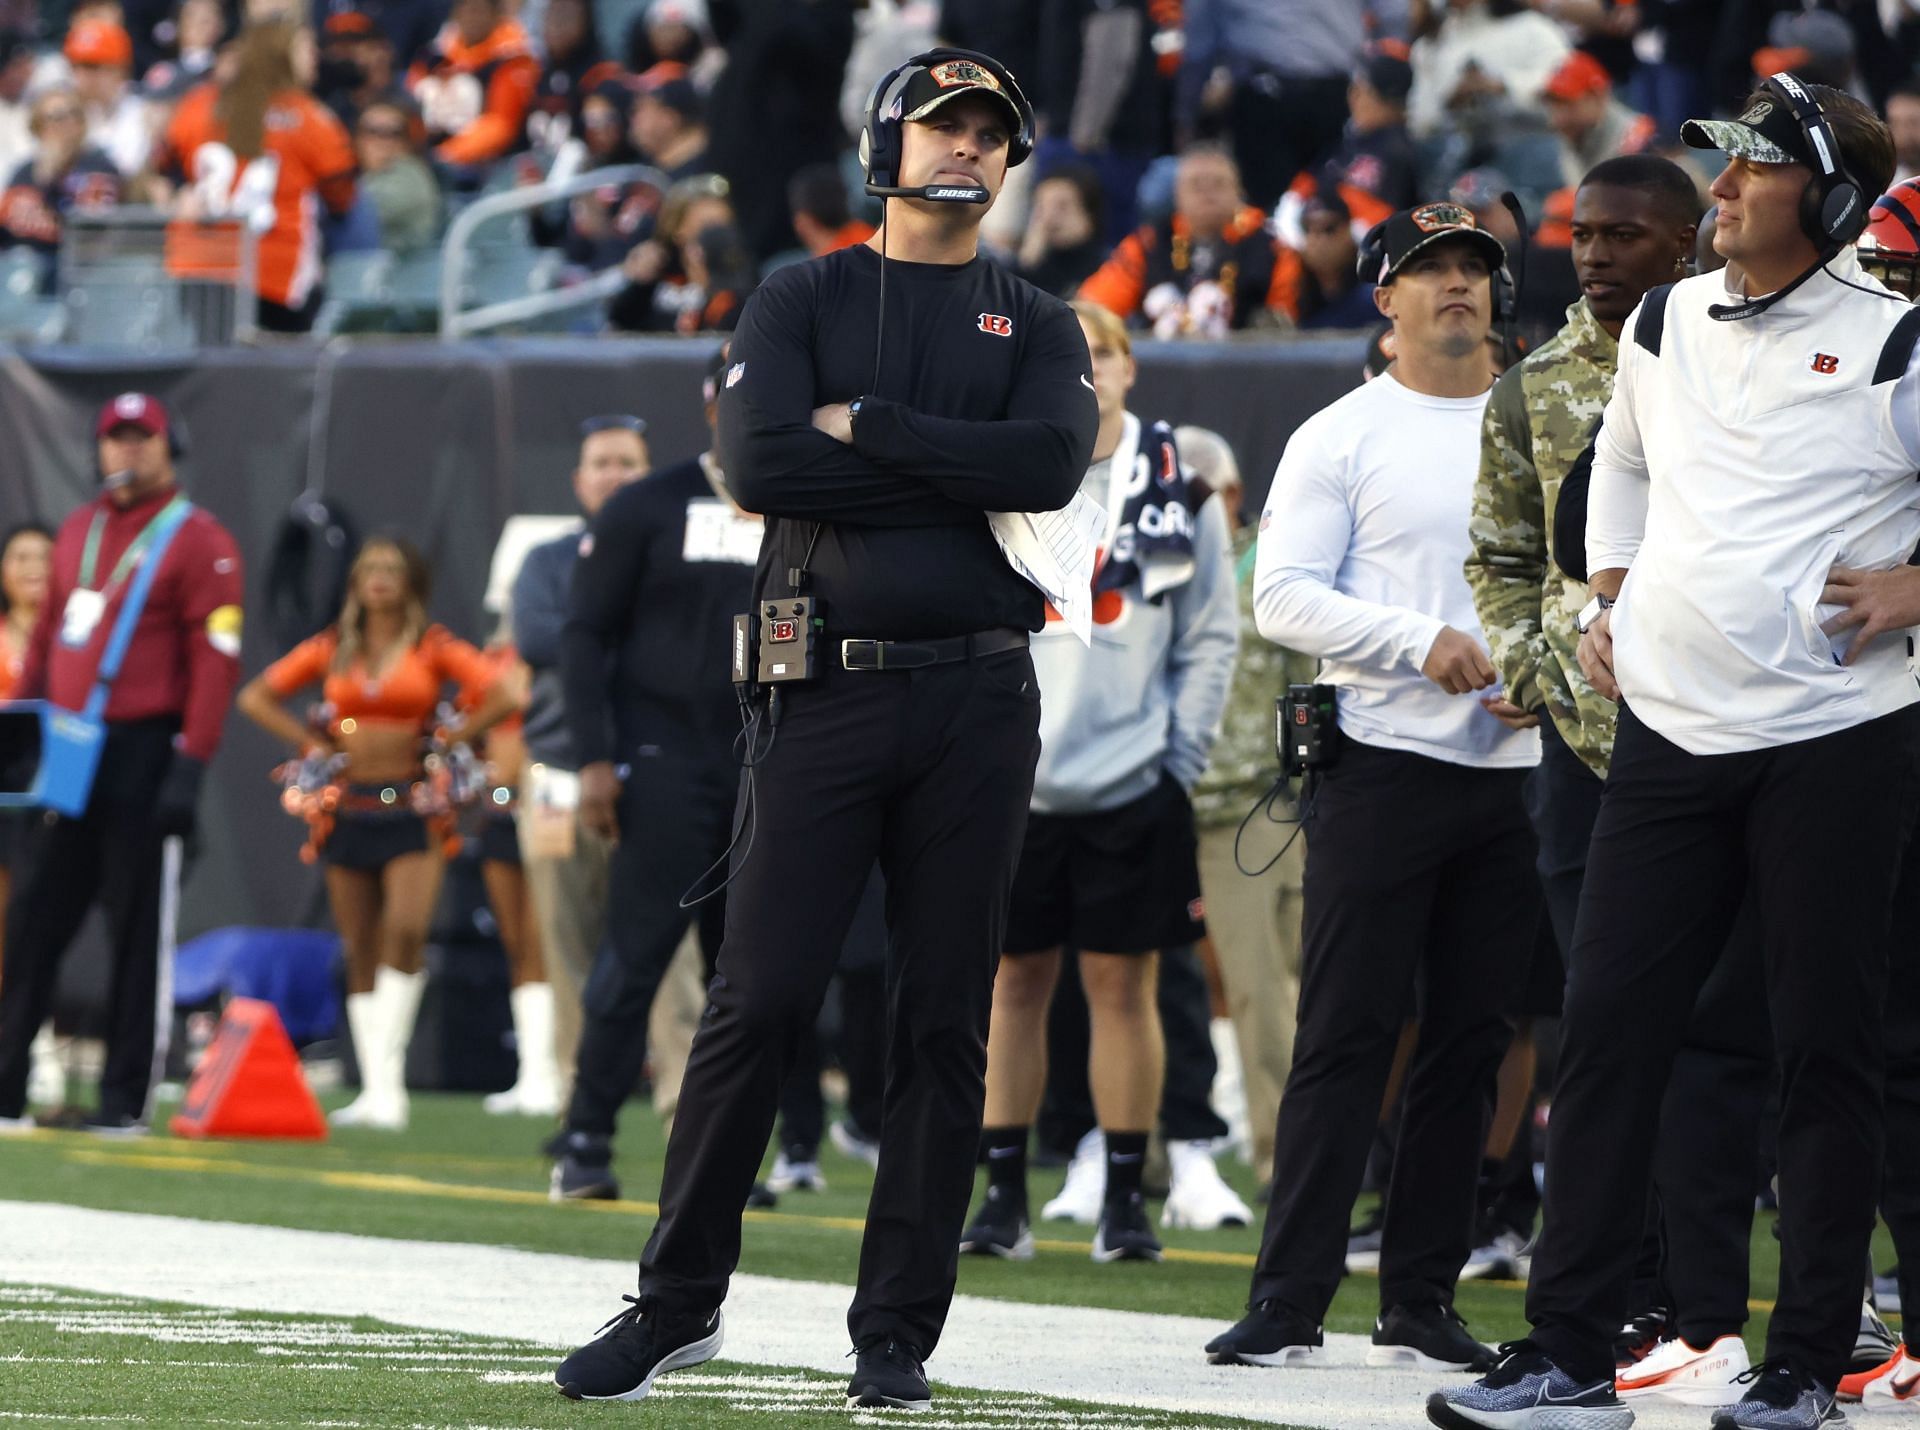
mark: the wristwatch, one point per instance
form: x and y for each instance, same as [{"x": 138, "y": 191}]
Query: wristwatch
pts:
[
  {"x": 1590, "y": 613},
  {"x": 853, "y": 411}
]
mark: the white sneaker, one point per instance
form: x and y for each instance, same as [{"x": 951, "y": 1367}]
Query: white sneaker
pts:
[
  {"x": 1507, "y": 1256},
  {"x": 1086, "y": 1186},
  {"x": 1675, "y": 1371},
  {"x": 46, "y": 1073},
  {"x": 790, "y": 1176},
  {"x": 17, "y": 1126},
  {"x": 854, "y": 1144},
  {"x": 1886, "y": 1389},
  {"x": 1199, "y": 1199}
]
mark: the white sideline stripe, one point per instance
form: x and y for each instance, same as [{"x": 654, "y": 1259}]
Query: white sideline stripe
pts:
[{"x": 1110, "y": 1357}]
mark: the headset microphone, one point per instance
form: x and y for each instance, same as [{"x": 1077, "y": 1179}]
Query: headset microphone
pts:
[
  {"x": 938, "y": 193},
  {"x": 114, "y": 481}
]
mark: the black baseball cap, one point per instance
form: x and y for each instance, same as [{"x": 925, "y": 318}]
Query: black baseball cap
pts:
[
  {"x": 1390, "y": 76},
  {"x": 948, "y": 79},
  {"x": 1392, "y": 241},
  {"x": 1769, "y": 132}
]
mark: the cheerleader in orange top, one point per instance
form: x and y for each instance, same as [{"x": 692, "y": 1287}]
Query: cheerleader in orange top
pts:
[
  {"x": 536, "y": 1091},
  {"x": 382, "y": 670}
]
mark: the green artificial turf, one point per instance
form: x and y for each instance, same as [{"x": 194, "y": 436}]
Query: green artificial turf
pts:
[
  {"x": 460, "y": 1175},
  {"x": 74, "y": 1357}
]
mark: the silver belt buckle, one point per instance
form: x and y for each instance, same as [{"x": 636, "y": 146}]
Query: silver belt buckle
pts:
[{"x": 846, "y": 655}]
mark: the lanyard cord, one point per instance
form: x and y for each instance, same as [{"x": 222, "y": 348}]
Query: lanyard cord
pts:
[{"x": 90, "y": 555}]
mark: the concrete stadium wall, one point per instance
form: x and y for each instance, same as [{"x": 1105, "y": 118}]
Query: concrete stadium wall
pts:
[{"x": 443, "y": 442}]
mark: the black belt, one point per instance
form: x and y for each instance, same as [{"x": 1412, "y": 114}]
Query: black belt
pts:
[{"x": 911, "y": 655}]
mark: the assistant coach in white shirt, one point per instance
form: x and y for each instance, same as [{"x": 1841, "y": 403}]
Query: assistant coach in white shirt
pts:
[
  {"x": 1420, "y": 893},
  {"x": 1762, "y": 431}
]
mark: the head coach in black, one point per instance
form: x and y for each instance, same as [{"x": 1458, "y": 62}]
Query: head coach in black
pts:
[
  {"x": 164, "y": 710},
  {"x": 880, "y": 401},
  {"x": 1762, "y": 431}
]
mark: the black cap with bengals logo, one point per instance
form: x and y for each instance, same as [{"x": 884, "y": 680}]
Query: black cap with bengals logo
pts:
[
  {"x": 949, "y": 79},
  {"x": 1391, "y": 242}
]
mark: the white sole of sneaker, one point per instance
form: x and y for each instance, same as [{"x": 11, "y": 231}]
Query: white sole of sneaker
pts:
[
  {"x": 1408, "y": 1358},
  {"x": 691, "y": 1354},
  {"x": 1358, "y": 1261},
  {"x": 1281, "y": 1359},
  {"x": 871, "y": 1401},
  {"x": 1021, "y": 1250},
  {"x": 1535, "y": 1417},
  {"x": 1107, "y": 1255},
  {"x": 1708, "y": 1393}
]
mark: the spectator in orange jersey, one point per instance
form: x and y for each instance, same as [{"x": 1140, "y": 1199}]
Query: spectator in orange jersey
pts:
[
  {"x": 261, "y": 149},
  {"x": 475, "y": 83},
  {"x": 1209, "y": 268},
  {"x": 822, "y": 220},
  {"x": 1591, "y": 123}
]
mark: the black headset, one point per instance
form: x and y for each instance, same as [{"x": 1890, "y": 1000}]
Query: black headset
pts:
[
  {"x": 1833, "y": 209},
  {"x": 880, "y": 142}
]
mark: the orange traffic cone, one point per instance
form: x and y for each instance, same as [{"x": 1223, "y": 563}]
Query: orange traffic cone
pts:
[{"x": 249, "y": 1083}]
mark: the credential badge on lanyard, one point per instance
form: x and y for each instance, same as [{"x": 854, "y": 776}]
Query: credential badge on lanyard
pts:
[{"x": 86, "y": 603}]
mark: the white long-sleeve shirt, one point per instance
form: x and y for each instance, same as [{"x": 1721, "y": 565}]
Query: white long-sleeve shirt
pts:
[
  {"x": 1361, "y": 556},
  {"x": 1732, "y": 471}
]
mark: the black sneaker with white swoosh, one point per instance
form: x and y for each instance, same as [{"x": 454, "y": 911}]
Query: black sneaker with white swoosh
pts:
[
  {"x": 1527, "y": 1391},
  {"x": 635, "y": 1348}
]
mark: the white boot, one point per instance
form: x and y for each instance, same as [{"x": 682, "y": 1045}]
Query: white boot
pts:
[
  {"x": 536, "y": 1090},
  {"x": 1230, "y": 1087},
  {"x": 381, "y": 1031},
  {"x": 1199, "y": 1198},
  {"x": 47, "y": 1074},
  {"x": 364, "y": 1015}
]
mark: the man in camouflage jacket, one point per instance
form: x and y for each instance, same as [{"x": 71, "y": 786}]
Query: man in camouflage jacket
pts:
[{"x": 1633, "y": 228}]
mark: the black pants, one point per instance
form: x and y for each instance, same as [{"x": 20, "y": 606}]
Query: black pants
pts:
[
  {"x": 1816, "y": 831},
  {"x": 1900, "y": 1189},
  {"x": 1186, "y": 1095},
  {"x": 112, "y": 854},
  {"x": 929, "y": 772},
  {"x": 676, "y": 816},
  {"x": 859, "y": 1037},
  {"x": 1706, "y": 1164},
  {"x": 1420, "y": 898},
  {"x": 1281, "y": 126}
]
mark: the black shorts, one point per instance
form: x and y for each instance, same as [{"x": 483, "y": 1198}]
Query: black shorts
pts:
[
  {"x": 1123, "y": 881},
  {"x": 499, "y": 837},
  {"x": 371, "y": 839}
]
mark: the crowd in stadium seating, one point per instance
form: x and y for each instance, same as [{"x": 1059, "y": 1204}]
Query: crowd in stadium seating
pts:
[{"x": 1197, "y": 160}]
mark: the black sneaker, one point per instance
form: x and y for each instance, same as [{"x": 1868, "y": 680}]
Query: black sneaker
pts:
[
  {"x": 1428, "y": 1337},
  {"x": 636, "y": 1348},
  {"x": 1269, "y": 1334},
  {"x": 1125, "y": 1232},
  {"x": 1000, "y": 1227},
  {"x": 1363, "y": 1241},
  {"x": 1641, "y": 1336},
  {"x": 888, "y": 1373},
  {"x": 1527, "y": 1391},
  {"x": 584, "y": 1172},
  {"x": 760, "y": 1198},
  {"x": 1779, "y": 1398}
]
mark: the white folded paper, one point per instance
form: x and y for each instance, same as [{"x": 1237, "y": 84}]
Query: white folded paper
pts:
[{"x": 1055, "y": 550}]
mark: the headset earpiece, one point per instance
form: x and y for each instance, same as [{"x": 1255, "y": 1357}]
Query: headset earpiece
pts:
[{"x": 1833, "y": 209}]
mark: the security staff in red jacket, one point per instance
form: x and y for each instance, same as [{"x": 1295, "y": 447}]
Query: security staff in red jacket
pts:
[{"x": 163, "y": 718}]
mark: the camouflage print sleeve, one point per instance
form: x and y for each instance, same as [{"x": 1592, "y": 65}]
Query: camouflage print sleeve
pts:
[{"x": 1508, "y": 563}]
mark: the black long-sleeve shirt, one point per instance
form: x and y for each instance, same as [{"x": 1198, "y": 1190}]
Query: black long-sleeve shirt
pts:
[
  {"x": 984, "y": 404},
  {"x": 646, "y": 656}
]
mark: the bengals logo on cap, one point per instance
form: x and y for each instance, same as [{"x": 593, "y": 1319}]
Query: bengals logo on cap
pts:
[
  {"x": 1431, "y": 218},
  {"x": 949, "y": 73}
]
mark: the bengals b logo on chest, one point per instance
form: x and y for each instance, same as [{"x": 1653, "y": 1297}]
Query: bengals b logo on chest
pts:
[
  {"x": 994, "y": 323},
  {"x": 1825, "y": 363}
]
